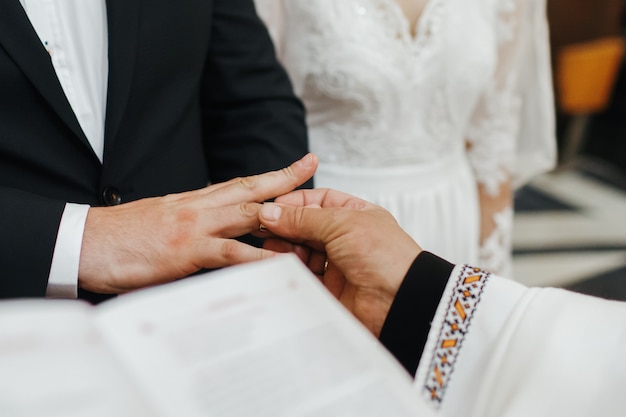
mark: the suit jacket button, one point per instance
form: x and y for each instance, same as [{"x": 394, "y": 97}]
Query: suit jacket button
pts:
[{"x": 111, "y": 196}]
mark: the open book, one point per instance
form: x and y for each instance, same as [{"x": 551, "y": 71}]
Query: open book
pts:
[{"x": 262, "y": 339}]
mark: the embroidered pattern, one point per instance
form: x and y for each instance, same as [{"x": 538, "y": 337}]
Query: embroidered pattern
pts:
[{"x": 465, "y": 298}]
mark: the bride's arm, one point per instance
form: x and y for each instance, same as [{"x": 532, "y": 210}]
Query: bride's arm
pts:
[
  {"x": 511, "y": 136},
  {"x": 272, "y": 12}
]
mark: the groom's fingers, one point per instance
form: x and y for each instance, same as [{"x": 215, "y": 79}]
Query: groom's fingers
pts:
[
  {"x": 263, "y": 186},
  {"x": 301, "y": 199}
]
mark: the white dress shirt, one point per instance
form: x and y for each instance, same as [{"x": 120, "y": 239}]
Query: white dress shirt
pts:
[{"x": 75, "y": 34}]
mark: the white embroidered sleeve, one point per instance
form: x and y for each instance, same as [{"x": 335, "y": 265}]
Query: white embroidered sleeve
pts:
[
  {"x": 464, "y": 329},
  {"x": 497, "y": 348}
]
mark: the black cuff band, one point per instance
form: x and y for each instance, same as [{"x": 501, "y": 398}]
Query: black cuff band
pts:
[{"x": 408, "y": 323}]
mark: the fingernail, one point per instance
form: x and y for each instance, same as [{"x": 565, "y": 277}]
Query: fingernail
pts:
[
  {"x": 306, "y": 161},
  {"x": 270, "y": 212}
]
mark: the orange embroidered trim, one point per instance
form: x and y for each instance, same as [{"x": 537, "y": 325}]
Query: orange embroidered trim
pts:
[{"x": 465, "y": 298}]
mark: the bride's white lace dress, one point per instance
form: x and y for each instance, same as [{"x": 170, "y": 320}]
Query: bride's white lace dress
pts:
[{"x": 414, "y": 119}]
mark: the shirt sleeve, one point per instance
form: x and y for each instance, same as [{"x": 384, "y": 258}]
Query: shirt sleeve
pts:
[{"x": 63, "y": 279}]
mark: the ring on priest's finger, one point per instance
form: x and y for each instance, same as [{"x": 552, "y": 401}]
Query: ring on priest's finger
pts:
[
  {"x": 262, "y": 228},
  {"x": 325, "y": 265}
]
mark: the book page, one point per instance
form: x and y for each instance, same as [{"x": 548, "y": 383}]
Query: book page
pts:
[
  {"x": 262, "y": 339},
  {"x": 54, "y": 363}
]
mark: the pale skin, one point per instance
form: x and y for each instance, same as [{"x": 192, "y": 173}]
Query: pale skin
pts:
[
  {"x": 368, "y": 253},
  {"x": 412, "y": 10},
  {"x": 157, "y": 240}
]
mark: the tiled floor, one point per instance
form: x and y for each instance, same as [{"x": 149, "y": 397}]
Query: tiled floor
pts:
[{"x": 570, "y": 231}]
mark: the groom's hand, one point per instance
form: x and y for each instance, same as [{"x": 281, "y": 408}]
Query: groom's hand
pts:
[{"x": 155, "y": 240}]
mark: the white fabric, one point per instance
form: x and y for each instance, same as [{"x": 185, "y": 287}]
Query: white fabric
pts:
[
  {"x": 383, "y": 101},
  {"x": 63, "y": 279},
  {"x": 531, "y": 352},
  {"x": 75, "y": 34}
]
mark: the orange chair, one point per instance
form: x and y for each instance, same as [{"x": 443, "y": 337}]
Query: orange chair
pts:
[{"x": 585, "y": 76}]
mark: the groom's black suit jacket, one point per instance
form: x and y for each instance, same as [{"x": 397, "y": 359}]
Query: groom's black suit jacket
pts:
[{"x": 194, "y": 95}]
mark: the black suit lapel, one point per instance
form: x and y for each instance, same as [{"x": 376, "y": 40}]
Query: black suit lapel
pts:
[
  {"x": 123, "y": 22},
  {"x": 21, "y": 42}
]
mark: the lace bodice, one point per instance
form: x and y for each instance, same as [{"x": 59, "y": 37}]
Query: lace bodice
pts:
[{"x": 378, "y": 96}]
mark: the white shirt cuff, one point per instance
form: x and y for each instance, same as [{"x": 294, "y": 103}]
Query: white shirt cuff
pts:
[{"x": 63, "y": 279}]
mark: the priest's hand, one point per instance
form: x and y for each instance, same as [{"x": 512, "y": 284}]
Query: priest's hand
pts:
[{"x": 356, "y": 248}]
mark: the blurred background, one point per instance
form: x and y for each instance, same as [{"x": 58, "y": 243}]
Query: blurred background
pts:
[{"x": 570, "y": 224}]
